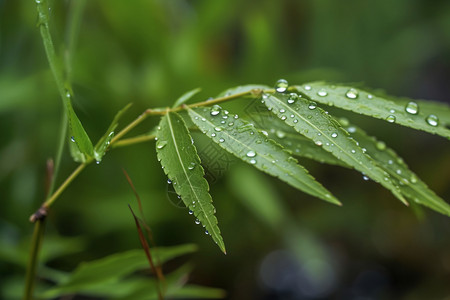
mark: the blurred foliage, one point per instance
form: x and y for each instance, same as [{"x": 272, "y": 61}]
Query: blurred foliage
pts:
[{"x": 153, "y": 51}]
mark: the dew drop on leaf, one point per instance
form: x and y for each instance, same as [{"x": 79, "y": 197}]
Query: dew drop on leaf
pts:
[
  {"x": 169, "y": 181},
  {"x": 221, "y": 140},
  {"x": 292, "y": 98},
  {"x": 191, "y": 166},
  {"x": 191, "y": 212},
  {"x": 312, "y": 105},
  {"x": 251, "y": 153},
  {"x": 432, "y": 120},
  {"x": 391, "y": 119},
  {"x": 307, "y": 87},
  {"x": 352, "y": 93},
  {"x": 412, "y": 108},
  {"x": 161, "y": 144},
  {"x": 197, "y": 221},
  {"x": 72, "y": 139},
  {"x": 381, "y": 145},
  {"x": 253, "y": 161},
  {"x": 206, "y": 232},
  {"x": 281, "y": 85},
  {"x": 369, "y": 96},
  {"x": 215, "y": 110},
  {"x": 280, "y": 134},
  {"x": 322, "y": 93},
  {"x": 365, "y": 178},
  {"x": 334, "y": 134},
  {"x": 318, "y": 143}
]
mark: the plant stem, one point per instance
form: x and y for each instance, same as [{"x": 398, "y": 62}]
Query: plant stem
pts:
[
  {"x": 134, "y": 140},
  {"x": 36, "y": 242}
]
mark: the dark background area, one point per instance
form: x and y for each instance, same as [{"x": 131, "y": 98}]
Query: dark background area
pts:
[{"x": 149, "y": 52}]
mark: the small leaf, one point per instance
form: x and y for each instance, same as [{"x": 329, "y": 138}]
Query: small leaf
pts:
[
  {"x": 180, "y": 161},
  {"x": 314, "y": 123},
  {"x": 243, "y": 89},
  {"x": 78, "y": 135},
  {"x": 362, "y": 102},
  {"x": 186, "y": 97},
  {"x": 111, "y": 268},
  {"x": 409, "y": 183},
  {"x": 103, "y": 143},
  {"x": 241, "y": 139}
]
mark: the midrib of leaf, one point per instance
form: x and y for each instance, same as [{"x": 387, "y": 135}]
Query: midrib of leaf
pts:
[
  {"x": 267, "y": 158},
  {"x": 357, "y": 164},
  {"x": 188, "y": 177}
]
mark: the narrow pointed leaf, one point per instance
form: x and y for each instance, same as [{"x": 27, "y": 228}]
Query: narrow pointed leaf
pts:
[
  {"x": 241, "y": 139},
  {"x": 103, "y": 144},
  {"x": 409, "y": 183},
  {"x": 314, "y": 123},
  {"x": 113, "y": 267},
  {"x": 243, "y": 89},
  {"x": 180, "y": 161},
  {"x": 78, "y": 135},
  {"x": 186, "y": 97},
  {"x": 362, "y": 102},
  {"x": 287, "y": 137}
]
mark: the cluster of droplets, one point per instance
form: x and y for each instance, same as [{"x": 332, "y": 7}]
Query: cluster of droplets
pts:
[{"x": 411, "y": 107}]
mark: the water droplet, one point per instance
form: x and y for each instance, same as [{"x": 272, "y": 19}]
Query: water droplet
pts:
[
  {"x": 292, "y": 98},
  {"x": 221, "y": 140},
  {"x": 218, "y": 129},
  {"x": 282, "y": 110},
  {"x": 318, "y": 143},
  {"x": 352, "y": 93},
  {"x": 72, "y": 139},
  {"x": 251, "y": 153},
  {"x": 353, "y": 151},
  {"x": 369, "y": 96},
  {"x": 295, "y": 121},
  {"x": 432, "y": 120},
  {"x": 307, "y": 87},
  {"x": 392, "y": 111},
  {"x": 398, "y": 171},
  {"x": 280, "y": 134},
  {"x": 322, "y": 93},
  {"x": 351, "y": 129},
  {"x": 206, "y": 232},
  {"x": 191, "y": 212},
  {"x": 197, "y": 221},
  {"x": 391, "y": 119},
  {"x": 236, "y": 116},
  {"x": 253, "y": 161},
  {"x": 169, "y": 181},
  {"x": 160, "y": 144},
  {"x": 413, "y": 179},
  {"x": 265, "y": 132},
  {"x": 215, "y": 110},
  {"x": 390, "y": 162},
  {"x": 381, "y": 145},
  {"x": 191, "y": 166},
  {"x": 283, "y": 118},
  {"x": 334, "y": 134},
  {"x": 412, "y": 108},
  {"x": 97, "y": 162},
  {"x": 312, "y": 105},
  {"x": 38, "y": 1},
  {"x": 281, "y": 85},
  {"x": 213, "y": 134},
  {"x": 68, "y": 94},
  {"x": 365, "y": 178}
]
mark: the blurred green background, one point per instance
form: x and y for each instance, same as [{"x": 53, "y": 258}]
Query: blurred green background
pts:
[{"x": 282, "y": 244}]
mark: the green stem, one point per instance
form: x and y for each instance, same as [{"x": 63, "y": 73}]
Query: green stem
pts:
[
  {"x": 134, "y": 140},
  {"x": 36, "y": 242}
]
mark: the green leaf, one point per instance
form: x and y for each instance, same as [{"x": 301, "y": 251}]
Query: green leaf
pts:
[
  {"x": 83, "y": 146},
  {"x": 241, "y": 139},
  {"x": 255, "y": 191},
  {"x": 314, "y": 123},
  {"x": 362, "y": 102},
  {"x": 409, "y": 183},
  {"x": 243, "y": 89},
  {"x": 179, "y": 159},
  {"x": 103, "y": 143},
  {"x": 287, "y": 137},
  {"x": 111, "y": 268},
  {"x": 186, "y": 97}
]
